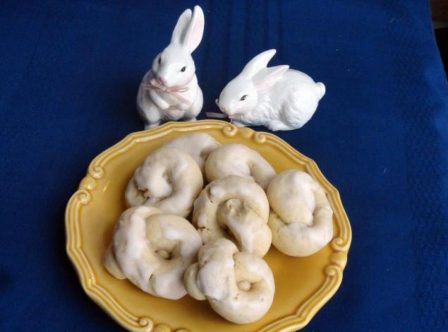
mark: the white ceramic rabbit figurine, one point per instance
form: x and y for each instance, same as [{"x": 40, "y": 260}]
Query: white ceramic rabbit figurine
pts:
[
  {"x": 277, "y": 97},
  {"x": 170, "y": 90}
]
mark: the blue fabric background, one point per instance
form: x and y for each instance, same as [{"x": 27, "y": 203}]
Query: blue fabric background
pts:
[{"x": 69, "y": 74}]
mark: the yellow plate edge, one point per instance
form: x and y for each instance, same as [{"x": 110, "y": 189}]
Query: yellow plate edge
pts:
[{"x": 333, "y": 271}]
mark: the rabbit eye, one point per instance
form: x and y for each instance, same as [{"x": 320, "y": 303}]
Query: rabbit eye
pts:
[
  {"x": 243, "y": 97},
  {"x": 160, "y": 60},
  {"x": 183, "y": 69}
]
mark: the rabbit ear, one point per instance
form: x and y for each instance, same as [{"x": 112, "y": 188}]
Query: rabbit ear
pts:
[
  {"x": 267, "y": 77},
  {"x": 181, "y": 26},
  {"x": 259, "y": 62},
  {"x": 194, "y": 31}
]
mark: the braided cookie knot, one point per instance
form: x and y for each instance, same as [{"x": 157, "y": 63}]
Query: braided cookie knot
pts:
[
  {"x": 238, "y": 286},
  {"x": 168, "y": 179},
  {"x": 197, "y": 145},
  {"x": 238, "y": 159},
  {"x": 153, "y": 250},
  {"x": 301, "y": 217},
  {"x": 236, "y": 208}
]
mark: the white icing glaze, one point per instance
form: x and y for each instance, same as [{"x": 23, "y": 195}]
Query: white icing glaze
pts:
[
  {"x": 197, "y": 145},
  {"x": 239, "y": 286},
  {"x": 168, "y": 179},
  {"x": 238, "y": 159},
  {"x": 153, "y": 250},
  {"x": 301, "y": 217},
  {"x": 237, "y": 208}
]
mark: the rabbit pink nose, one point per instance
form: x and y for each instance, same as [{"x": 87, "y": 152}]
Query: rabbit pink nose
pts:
[{"x": 161, "y": 80}]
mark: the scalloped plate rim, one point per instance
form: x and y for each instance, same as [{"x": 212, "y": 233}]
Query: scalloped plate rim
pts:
[{"x": 304, "y": 313}]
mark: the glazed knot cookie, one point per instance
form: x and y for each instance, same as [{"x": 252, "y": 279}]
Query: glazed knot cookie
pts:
[
  {"x": 237, "y": 208},
  {"x": 301, "y": 217},
  {"x": 238, "y": 159},
  {"x": 153, "y": 250},
  {"x": 239, "y": 286},
  {"x": 197, "y": 145},
  {"x": 168, "y": 179}
]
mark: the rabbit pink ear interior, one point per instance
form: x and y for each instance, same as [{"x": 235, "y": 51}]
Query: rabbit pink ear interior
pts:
[
  {"x": 195, "y": 30},
  {"x": 258, "y": 63},
  {"x": 267, "y": 77},
  {"x": 181, "y": 26}
]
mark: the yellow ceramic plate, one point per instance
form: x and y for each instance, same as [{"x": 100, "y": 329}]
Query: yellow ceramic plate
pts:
[{"x": 303, "y": 285}]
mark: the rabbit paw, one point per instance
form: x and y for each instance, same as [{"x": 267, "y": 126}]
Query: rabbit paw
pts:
[
  {"x": 237, "y": 123},
  {"x": 152, "y": 125}
]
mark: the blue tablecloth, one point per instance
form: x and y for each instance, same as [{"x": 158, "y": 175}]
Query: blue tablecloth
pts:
[{"x": 69, "y": 73}]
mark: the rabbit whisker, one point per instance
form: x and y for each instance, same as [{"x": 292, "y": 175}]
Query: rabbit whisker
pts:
[{"x": 216, "y": 115}]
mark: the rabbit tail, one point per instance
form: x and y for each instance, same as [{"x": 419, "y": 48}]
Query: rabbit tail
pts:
[{"x": 321, "y": 89}]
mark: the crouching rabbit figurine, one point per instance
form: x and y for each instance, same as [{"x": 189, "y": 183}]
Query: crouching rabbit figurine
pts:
[
  {"x": 170, "y": 90},
  {"x": 277, "y": 97}
]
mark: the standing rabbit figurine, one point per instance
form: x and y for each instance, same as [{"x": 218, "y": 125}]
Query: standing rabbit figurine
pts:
[
  {"x": 170, "y": 90},
  {"x": 277, "y": 97}
]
